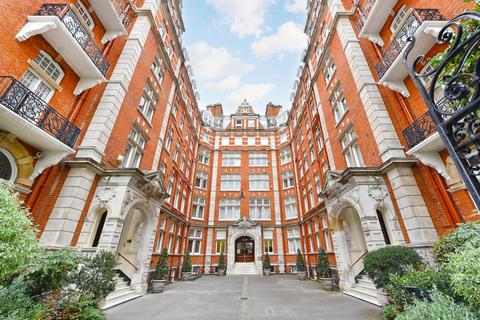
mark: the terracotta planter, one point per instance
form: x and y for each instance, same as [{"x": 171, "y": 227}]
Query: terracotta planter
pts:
[
  {"x": 302, "y": 275},
  {"x": 158, "y": 286},
  {"x": 221, "y": 272},
  {"x": 326, "y": 283},
  {"x": 186, "y": 276},
  {"x": 266, "y": 272},
  {"x": 383, "y": 297}
]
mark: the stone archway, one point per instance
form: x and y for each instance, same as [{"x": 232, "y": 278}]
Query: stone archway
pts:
[{"x": 244, "y": 249}]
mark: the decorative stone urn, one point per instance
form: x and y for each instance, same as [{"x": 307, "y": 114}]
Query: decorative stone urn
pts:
[
  {"x": 326, "y": 283},
  {"x": 158, "y": 285},
  {"x": 186, "y": 276},
  {"x": 302, "y": 275}
]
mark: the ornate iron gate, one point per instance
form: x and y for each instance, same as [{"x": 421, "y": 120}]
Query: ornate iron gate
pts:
[{"x": 451, "y": 89}]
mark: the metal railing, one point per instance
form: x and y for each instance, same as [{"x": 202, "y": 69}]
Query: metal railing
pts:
[
  {"x": 419, "y": 130},
  {"x": 78, "y": 31},
  {"x": 412, "y": 23},
  {"x": 18, "y": 98},
  {"x": 122, "y": 12}
]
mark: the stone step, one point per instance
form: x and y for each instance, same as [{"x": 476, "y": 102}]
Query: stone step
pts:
[
  {"x": 244, "y": 268},
  {"x": 365, "y": 294},
  {"x": 114, "y": 298}
]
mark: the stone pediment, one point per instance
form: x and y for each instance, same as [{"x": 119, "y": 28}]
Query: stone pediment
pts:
[
  {"x": 244, "y": 223},
  {"x": 154, "y": 188},
  {"x": 332, "y": 185}
]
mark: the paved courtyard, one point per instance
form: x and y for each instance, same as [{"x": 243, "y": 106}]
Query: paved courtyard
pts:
[{"x": 245, "y": 297}]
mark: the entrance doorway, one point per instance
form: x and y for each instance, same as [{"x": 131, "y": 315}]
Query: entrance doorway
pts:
[{"x": 244, "y": 250}]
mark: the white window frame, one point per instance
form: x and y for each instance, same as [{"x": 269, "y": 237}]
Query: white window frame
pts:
[
  {"x": 351, "y": 149},
  {"x": 135, "y": 149},
  {"x": 202, "y": 178},
  {"x": 257, "y": 159},
  {"x": 195, "y": 241},
  {"x": 288, "y": 179},
  {"x": 260, "y": 209},
  {"x": 290, "y": 204},
  {"x": 285, "y": 156},
  {"x": 198, "y": 209},
  {"x": 293, "y": 239},
  {"x": 84, "y": 14},
  {"x": 231, "y": 159},
  {"x": 259, "y": 182},
  {"x": 229, "y": 209},
  {"x": 230, "y": 182}
]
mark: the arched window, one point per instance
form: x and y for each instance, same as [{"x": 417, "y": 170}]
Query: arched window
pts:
[
  {"x": 100, "y": 225},
  {"x": 383, "y": 227},
  {"x": 8, "y": 167}
]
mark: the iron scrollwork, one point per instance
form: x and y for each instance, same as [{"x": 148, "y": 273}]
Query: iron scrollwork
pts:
[{"x": 456, "y": 111}]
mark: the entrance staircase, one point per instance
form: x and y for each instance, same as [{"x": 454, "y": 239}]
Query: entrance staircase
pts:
[
  {"x": 123, "y": 293},
  {"x": 244, "y": 268},
  {"x": 364, "y": 289}
]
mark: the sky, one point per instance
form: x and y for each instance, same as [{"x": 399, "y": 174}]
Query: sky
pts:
[{"x": 244, "y": 49}]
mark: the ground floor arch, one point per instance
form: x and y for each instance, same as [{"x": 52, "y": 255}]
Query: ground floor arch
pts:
[{"x": 244, "y": 249}]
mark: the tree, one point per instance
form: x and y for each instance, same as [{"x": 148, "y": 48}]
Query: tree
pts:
[
  {"x": 187, "y": 263},
  {"x": 221, "y": 261},
  {"x": 266, "y": 262},
  {"x": 300, "y": 262},
  {"x": 161, "y": 269},
  {"x": 323, "y": 266},
  {"x": 18, "y": 245}
]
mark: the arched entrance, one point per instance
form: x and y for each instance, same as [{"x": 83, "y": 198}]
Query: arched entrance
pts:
[{"x": 244, "y": 249}]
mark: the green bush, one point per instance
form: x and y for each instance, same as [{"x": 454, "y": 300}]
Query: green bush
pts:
[
  {"x": 442, "y": 308},
  {"x": 70, "y": 305},
  {"x": 221, "y": 261},
  {"x": 427, "y": 280},
  {"x": 187, "y": 263},
  {"x": 18, "y": 243},
  {"x": 300, "y": 262},
  {"x": 266, "y": 261},
  {"x": 161, "y": 269},
  {"x": 16, "y": 303},
  {"x": 323, "y": 266},
  {"x": 381, "y": 263},
  {"x": 464, "y": 270},
  {"x": 390, "y": 312},
  {"x": 465, "y": 235}
]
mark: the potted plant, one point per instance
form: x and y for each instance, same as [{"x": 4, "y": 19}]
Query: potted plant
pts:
[
  {"x": 266, "y": 265},
  {"x": 324, "y": 272},
  {"x": 160, "y": 273},
  {"x": 186, "y": 267},
  {"x": 301, "y": 274},
  {"x": 221, "y": 264}
]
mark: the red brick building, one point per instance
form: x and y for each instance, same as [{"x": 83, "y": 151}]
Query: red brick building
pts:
[{"x": 102, "y": 138}]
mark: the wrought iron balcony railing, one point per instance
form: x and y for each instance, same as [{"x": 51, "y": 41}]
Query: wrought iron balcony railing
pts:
[
  {"x": 18, "y": 98},
  {"x": 419, "y": 130},
  {"x": 363, "y": 11},
  {"x": 78, "y": 31},
  {"x": 414, "y": 20},
  {"x": 122, "y": 13}
]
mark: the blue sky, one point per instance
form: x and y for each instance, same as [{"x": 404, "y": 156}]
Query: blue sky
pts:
[{"x": 244, "y": 49}]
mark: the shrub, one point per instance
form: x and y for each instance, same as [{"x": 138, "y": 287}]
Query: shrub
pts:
[
  {"x": 161, "y": 269},
  {"x": 18, "y": 244},
  {"x": 187, "y": 263},
  {"x": 465, "y": 235},
  {"x": 266, "y": 262},
  {"x": 390, "y": 312},
  {"x": 442, "y": 308},
  {"x": 16, "y": 304},
  {"x": 381, "y": 263},
  {"x": 221, "y": 261},
  {"x": 300, "y": 262},
  {"x": 464, "y": 270},
  {"x": 96, "y": 276},
  {"x": 323, "y": 266},
  {"x": 70, "y": 305}
]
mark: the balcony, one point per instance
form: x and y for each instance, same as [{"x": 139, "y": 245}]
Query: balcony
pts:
[
  {"x": 375, "y": 20},
  {"x": 33, "y": 121},
  {"x": 113, "y": 16},
  {"x": 425, "y": 143},
  {"x": 63, "y": 30},
  {"x": 424, "y": 24}
]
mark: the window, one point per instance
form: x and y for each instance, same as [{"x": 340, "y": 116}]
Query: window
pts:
[
  {"x": 257, "y": 159},
  {"x": 318, "y": 185},
  {"x": 319, "y": 140},
  {"x": 221, "y": 242},
  {"x": 205, "y": 137},
  {"x": 285, "y": 156},
  {"x": 201, "y": 180},
  {"x": 229, "y": 209},
  {"x": 251, "y": 123},
  {"x": 251, "y": 141},
  {"x": 293, "y": 238},
  {"x": 184, "y": 201},
  {"x": 135, "y": 149},
  {"x": 161, "y": 234},
  {"x": 290, "y": 207},
  {"x": 397, "y": 21},
  {"x": 204, "y": 156},
  {"x": 329, "y": 68},
  {"x": 238, "y": 141},
  {"x": 230, "y": 182},
  {"x": 148, "y": 101},
  {"x": 176, "y": 152},
  {"x": 287, "y": 179},
  {"x": 305, "y": 160},
  {"x": 351, "y": 149},
  {"x": 284, "y": 137},
  {"x": 168, "y": 140},
  {"x": 198, "y": 207},
  {"x": 259, "y": 182},
  {"x": 177, "y": 197},
  {"x": 326, "y": 233},
  {"x": 238, "y": 123},
  {"x": 231, "y": 159},
  {"x": 260, "y": 209},
  {"x": 312, "y": 153},
  {"x": 337, "y": 100},
  {"x": 170, "y": 187},
  {"x": 305, "y": 201},
  {"x": 325, "y": 31},
  {"x": 264, "y": 141},
  {"x": 195, "y": 241},
  {"x": 324, "y": 168},
  {"x": 311, "y": 195},
  {"x": 158, "y": 69},
  {"x": 8, "y": 167},
  {"x": 84, "y": 14},
  {"x": 268, "y": 241},
  {"x": 225, "y": 141},
  {"x": 175, "y": 108}
]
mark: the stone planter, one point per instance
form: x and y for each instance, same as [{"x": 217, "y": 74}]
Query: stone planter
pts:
[
  {"x": 158, "y": 286},
  {"x": 266, "y": 272},
  {"x": 302, "y": 275},
  {"x": 326, "y": 283},
  {"x": 221, "y": 272},
  {"x": 382, "y": 297},
  {"x": 186, "y": 276}
]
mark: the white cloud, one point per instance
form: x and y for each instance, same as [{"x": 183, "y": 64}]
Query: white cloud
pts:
[
  {"x": 226, "y": 84},
  {"x": 296, "y": 6},
  {"x": 216, "y": 63},
  {"x": 245, "y": 17},
  {"x": 288, "y": 38},
  {"x": 252, "y": 92}
]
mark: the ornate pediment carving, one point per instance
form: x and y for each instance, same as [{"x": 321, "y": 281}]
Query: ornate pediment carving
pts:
[
  {"x": 332, "y": 186},
  {"x": 244, "y": 223},
  {"x": 154, "y": 188}
]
